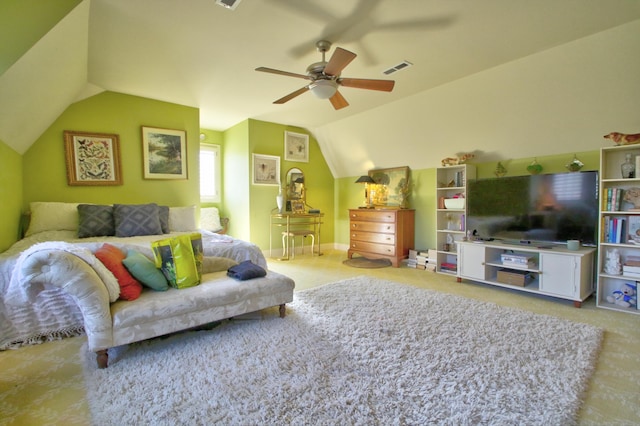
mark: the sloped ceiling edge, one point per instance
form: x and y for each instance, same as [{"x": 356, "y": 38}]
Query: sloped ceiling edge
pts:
[{"x": 45, "y": 80}]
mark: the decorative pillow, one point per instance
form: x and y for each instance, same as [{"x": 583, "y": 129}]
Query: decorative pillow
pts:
[
  {"x": 163, "y": 214},
  {"x": 216, "y": 264},
  {"x": 136, "y": 219},
  {"x": 50, "y": 216},
  {"x": 143, "y": 269},
  {"x": 210, "y": 219},
  {"x": 95, "y": 221},
  {"x": 112, "y": 257},
  {"x": 182, "y": 219}
]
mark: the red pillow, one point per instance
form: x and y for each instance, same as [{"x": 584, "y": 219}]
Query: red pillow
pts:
[{"x": 111, "y": 257}]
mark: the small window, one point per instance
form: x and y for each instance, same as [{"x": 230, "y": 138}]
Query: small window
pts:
[{"x": 209, "y": 173}]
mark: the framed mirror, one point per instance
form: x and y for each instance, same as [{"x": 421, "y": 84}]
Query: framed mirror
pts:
[{"x": 295, "y": 187}]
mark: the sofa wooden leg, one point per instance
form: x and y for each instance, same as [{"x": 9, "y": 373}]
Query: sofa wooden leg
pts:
[
  {"x": 103, "y": 358},
  {"x": 283, "y": 310}
]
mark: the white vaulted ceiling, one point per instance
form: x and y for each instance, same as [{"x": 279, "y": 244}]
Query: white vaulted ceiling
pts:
[{"x": 199, "y": 54}]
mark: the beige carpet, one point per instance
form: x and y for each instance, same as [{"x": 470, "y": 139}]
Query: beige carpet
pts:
[{"x": 360, "y": 351}]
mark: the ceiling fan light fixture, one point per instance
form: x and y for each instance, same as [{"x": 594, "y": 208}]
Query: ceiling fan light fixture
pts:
[{"x": 324, "y": 89}]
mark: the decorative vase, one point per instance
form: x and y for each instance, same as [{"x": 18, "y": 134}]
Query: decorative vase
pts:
[
  {"x": 279, "y": 200},
  {"x": 628, "y": 168}
]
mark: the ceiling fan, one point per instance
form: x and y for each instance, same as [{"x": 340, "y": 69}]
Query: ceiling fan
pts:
[{"x": 325, "y": 77}]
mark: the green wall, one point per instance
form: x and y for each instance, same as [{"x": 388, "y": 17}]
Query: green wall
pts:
[
  {"x": 268, "y": 139},
  {"x": 10, "y": 195},
  {"x": 350, "y": 195},
  {"x": 236, "y": 180},
  {"x": 44, "y": 169},
  {"x": 24, "y": 22}
]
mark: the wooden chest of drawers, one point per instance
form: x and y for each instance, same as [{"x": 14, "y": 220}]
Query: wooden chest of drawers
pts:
[{"x": 381, "y": 234}]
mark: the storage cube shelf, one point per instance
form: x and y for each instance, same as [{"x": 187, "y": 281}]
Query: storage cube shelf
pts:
[
  {"x": 551, "y": 271},
  {"x": 618, "y": 224},
  {"x": 451, "y": 213}
]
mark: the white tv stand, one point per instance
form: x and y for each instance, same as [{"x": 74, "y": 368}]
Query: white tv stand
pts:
[{"x": 556, "y": 271}]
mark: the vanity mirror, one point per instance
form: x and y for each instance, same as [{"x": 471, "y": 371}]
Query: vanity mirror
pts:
[{"x": 295, "y": 187}]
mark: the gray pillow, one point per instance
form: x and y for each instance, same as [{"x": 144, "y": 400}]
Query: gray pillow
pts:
[
  {"x": 136, "y": 219},
  {"x": 163, "y": 212},
  {"x": 95, "y": 221}
]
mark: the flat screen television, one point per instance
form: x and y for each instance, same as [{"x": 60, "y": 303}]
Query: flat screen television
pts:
[{"x": 548, "y": 208}]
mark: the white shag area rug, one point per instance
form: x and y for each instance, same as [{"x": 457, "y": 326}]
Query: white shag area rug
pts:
[{"x": 357, "y": 352}]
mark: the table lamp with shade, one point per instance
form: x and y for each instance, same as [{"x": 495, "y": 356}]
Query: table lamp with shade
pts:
[{"x": 367, "y": 180}]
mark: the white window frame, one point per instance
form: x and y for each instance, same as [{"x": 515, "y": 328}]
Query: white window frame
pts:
[{"x": 205, "y": 164}]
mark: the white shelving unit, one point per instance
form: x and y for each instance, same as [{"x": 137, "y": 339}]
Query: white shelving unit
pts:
[
  {"x": 451, "y": 224},
  {"x": 610, "y": 176},
  {"x": 553, "y": 270}
]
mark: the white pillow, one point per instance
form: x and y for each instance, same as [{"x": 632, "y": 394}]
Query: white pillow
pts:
[
  {"x": 51, "y": 216},
  {"x": 210, "y": 219},
  {"x": 182, "y": 219}
]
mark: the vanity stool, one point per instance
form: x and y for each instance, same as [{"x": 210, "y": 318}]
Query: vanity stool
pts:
[{"x": 292, "y": 234}]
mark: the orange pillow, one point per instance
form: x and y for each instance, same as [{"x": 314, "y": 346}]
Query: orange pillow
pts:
[{"x": 111, "y": 256}]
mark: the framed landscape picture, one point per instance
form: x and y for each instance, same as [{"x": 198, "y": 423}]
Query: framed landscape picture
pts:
[
  {"x": 164, "y": 153},
  {"x": 266, "y": 169},
  {"x": 296, "y": 147},
  {"x": 392, "y": 183},
  {"x": 92, "y": 158}
]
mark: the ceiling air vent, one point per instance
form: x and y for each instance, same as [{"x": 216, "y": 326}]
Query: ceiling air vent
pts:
[
  {"x": 229, "y": 4},
  {"x": 402, "y": 65}
]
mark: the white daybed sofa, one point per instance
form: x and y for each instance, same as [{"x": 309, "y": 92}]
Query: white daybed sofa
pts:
[{"x": 157, "y": 313}]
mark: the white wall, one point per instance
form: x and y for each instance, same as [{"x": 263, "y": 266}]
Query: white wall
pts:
[{"x": 557, "y": 101}]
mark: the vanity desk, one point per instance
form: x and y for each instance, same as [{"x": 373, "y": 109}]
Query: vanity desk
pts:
[{"x": 290, "y": 223}]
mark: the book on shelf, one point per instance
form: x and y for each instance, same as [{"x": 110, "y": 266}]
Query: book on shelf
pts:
[
  {"x": 614, "y": 230},
  {"x": 613, "y": 197}
]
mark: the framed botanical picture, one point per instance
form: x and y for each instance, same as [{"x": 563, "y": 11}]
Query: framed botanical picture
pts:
[
  {"x": 266, "y": 169},
  {"x": 164, "y": 153},
  {"x": 296, "y": 147},
  {"x": 92, "y": 158}
]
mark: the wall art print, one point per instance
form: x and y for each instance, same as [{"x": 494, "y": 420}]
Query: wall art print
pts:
[
  {"x": 164, "y": 153},
  {"x": 92, "y": 158},
  {"x": 266, "y": 169},
  {"x": 296, "y": 147}
]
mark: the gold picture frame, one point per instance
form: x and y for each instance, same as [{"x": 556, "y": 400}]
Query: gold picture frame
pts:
[
  {"x": 392, "y": 187},
  {"x": 92, "y": 158},
  {"x": 164, "y": 153},
  {"x": 297, "y": 206}
]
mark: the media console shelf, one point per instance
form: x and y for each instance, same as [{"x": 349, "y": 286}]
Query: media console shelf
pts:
[{"x": 554, "y": 271}]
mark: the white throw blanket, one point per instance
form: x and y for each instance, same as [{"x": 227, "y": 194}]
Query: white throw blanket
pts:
[
  {"x": 21, "y": 291},
  {"x": 34, "y": 311}
]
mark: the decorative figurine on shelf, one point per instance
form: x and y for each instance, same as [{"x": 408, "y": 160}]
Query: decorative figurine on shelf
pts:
[
  {"x": 623, "y": 138},
  {"x": 625, "y": 297},
  {"x": 612, "y": 264},
  {"x": 575, "y": 165},
  {"x": 534, "y": 168},
  {"x": 455, "y": 161},
  {"x": 628, "y": 168},
  {"x": 500, "y": 170}
]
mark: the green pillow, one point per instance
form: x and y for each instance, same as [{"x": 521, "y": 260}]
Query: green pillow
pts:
[{"x": 145, "y": 271}]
